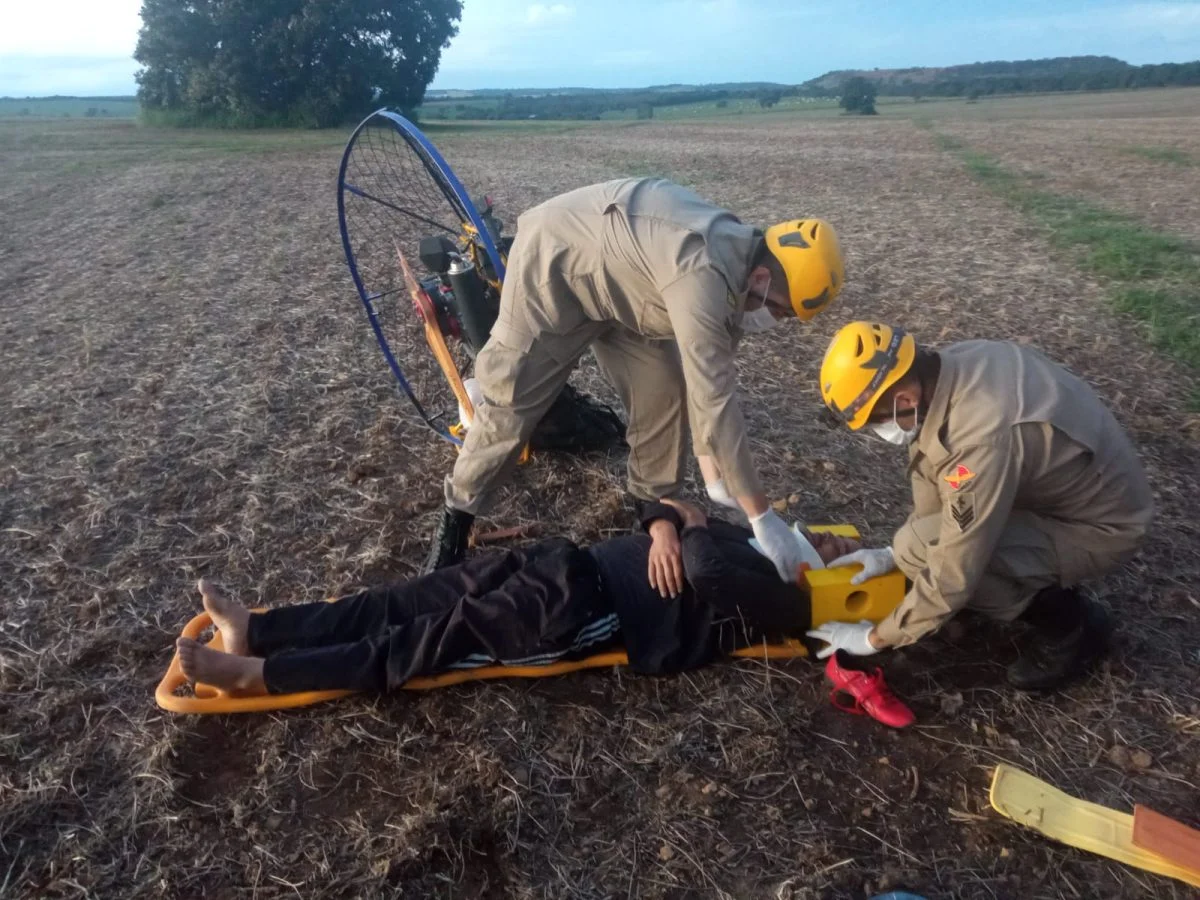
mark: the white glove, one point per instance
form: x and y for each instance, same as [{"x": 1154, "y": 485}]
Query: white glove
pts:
[
  {"x": 874, "y": 563},
  {"x": 475, "y": 394},
  {"x": 777, "y": 543},
  {"x": 844, "y": 636},
  {"x": 718, "y": 493}
]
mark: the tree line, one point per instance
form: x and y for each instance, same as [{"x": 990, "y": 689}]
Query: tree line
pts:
[
  {"x": 1019, "y": 77},
  {"x": 321, "y": 63},
  {"x": 594, "y": 104}
]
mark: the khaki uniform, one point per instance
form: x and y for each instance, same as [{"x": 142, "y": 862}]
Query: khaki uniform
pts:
[
  {"x": 653, "y": 279},
  {"x": 1021, "y": 479}
]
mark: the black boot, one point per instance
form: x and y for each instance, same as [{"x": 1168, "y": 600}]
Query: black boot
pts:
[
  {"x": 1068, "y": 635},
  {"x": 449, "y": 540}
]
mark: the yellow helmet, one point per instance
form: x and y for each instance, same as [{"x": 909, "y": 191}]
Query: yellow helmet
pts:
[
  {"x": 864, "y": 359},
  {"x": 808, "y": 252}
]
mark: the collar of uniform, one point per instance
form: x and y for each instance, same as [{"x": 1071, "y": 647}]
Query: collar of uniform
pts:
[
  {"x": 929, "y": 442},
  {"x": 736, "y": 249}
]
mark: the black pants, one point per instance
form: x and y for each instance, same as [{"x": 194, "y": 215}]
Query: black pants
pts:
[{"x": 524, "y": 607}]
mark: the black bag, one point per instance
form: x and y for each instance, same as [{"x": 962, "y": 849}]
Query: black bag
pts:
[{"x": 578, "y": 423}]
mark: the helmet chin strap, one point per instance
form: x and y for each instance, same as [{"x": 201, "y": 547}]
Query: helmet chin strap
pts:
[
  {"x": 760, "y": 296},
  {"x": 761, "y": 318}
]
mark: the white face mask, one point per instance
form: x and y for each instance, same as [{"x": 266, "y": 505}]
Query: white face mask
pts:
[
  {"x": 893, "y": 433},
  {"x": 756, "y": 321}
]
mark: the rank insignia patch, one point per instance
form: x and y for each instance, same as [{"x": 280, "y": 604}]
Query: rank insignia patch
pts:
[{"x": 962, "y": 508}]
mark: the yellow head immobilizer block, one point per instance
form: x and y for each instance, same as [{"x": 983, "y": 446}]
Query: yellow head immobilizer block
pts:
[{"x": 835, "y": 599}]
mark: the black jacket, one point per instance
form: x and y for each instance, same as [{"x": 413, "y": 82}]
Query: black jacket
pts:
[{"x": 732, "y": 597}]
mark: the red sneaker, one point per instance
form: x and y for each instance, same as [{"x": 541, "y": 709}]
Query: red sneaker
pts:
[{"x": 858, "y": 691}]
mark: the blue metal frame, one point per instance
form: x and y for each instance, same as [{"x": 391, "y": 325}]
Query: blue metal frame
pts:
[{"x": 431, "y": 157}]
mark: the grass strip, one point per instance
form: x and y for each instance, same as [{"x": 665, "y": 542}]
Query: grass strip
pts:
[
  {"x": 1154, "y": 275},
  {"x": 1161, "y": 154}
]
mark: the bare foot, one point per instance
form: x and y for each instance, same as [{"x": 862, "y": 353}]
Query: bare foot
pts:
[
  {"x": 235, "y": 674},
  {"x": 231, "y": 618}
]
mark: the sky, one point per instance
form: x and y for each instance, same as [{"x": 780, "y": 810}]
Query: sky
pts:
[{"x": 85, "y": 47}]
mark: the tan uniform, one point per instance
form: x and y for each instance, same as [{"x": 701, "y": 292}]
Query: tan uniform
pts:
[
  {"x": 1021, "y": 479},
  {"x": 653, "y": 279}
]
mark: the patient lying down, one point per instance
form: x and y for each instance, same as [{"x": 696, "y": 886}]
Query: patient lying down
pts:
[{"x": 681, "y": 595}]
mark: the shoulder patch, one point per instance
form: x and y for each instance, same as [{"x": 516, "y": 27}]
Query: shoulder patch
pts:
[
  {"x": 960, "y": 476},
  {"x": 962, "y": 509}
]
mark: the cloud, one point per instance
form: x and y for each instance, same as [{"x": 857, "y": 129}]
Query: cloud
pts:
[
  {"x": 1180, "y": 21},
  {"x": 70, "y": 27},
  {"x": 1185, "y": 15},
  {"x": 544, "y": 14}
]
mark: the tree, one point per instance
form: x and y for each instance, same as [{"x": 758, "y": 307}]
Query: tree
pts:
[
  {"x": 858, "y": 96},
  {"x": 768, "y": 97},
  {"x": 303, "y": 62}
]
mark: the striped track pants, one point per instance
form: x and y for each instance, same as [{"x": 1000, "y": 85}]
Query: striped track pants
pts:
[{"x": 532, "y": 606}]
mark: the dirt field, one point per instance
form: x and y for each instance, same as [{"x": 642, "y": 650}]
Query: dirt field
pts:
[
  {"x": 1143, "y": 105},
  {"x": 1136, "y": 152},
  {"x": 1102, "y": 161},
  {"x": 190, "y": 389}
]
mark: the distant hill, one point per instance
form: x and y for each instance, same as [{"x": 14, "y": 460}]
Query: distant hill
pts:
[
  {"x": 1063, "y": 73},
  {"x": 1030, "y": 68},
  {"x": 62, "y": 107},
  {"x": 728, "y": 87},
  {"x": 119, "y": 98}
]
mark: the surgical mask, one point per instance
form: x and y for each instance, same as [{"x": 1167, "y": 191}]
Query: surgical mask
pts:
[
  {"x": 756, "y": 321},
  {"x": 893, "y": 433}
]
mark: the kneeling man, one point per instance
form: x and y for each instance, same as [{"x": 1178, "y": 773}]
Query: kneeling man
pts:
[{"x": 1023, "y": 485}]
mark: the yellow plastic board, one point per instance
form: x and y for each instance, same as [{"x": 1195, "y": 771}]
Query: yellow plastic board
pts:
[{"x": 1034, "y": 803}]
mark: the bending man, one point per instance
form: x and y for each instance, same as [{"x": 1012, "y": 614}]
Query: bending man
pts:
[
  {"x": 1023, "y": 485},
  {"x": 660, "y": 285}
]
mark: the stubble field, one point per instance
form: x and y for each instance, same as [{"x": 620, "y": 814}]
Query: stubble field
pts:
[{"x": 190, "y": 389}]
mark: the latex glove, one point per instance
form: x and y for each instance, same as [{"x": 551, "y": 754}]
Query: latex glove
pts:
[
  {"x": 475, "y": 394},
  {"x": 845, "y": 636},
  {"x": 874, "y": 563},
  {"x": 778, "y": 544},
  {"x": 718, "y": 493}
]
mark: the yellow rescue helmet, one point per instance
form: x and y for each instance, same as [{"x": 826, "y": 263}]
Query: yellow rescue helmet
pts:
[
  {"x": 809, "y": 254},
  {"x": 864, "y": 359}
]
